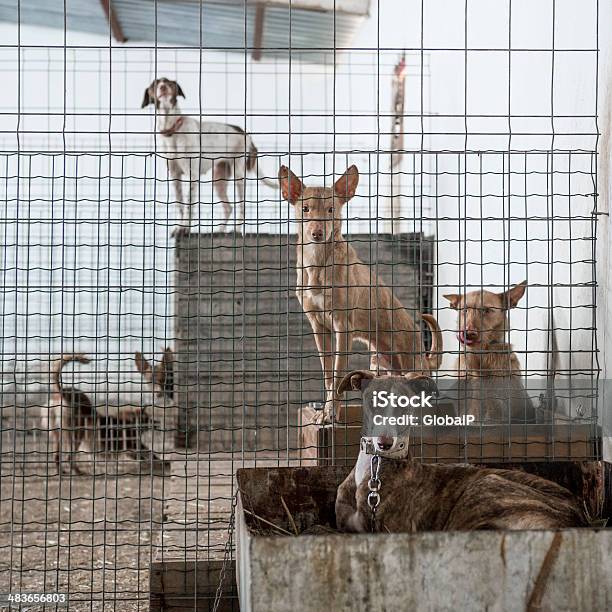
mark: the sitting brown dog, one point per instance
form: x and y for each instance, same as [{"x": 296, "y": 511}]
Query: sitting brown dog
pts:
[
  {"x": 489, "y": 383},
  {"x": 426, "y": 497}
]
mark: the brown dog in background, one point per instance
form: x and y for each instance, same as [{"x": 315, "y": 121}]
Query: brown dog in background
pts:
[
  {"x": 488, "y": 369},
  {"x": 69, "y": 416},
  {"x": 342, "y": 297}
]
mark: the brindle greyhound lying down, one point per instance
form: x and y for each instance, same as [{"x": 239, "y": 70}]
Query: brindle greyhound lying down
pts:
[{"x": 426, "y": 497}]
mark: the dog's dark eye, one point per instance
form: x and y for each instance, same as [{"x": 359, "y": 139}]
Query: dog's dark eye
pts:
[
  {"x": 305, "y": 208},
  {"x": 330, "y": 210}
]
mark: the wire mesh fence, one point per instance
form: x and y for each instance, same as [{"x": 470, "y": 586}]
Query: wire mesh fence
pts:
[{"x": 198, "y": 347}]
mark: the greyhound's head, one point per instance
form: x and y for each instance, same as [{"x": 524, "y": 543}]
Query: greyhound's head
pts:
[
  {"x": 395, "y": 443},
  {"x": 163, "y": 93},
  {"x": 318, "y": 209}
]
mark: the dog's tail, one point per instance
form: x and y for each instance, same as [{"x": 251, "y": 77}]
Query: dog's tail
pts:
[
  {"x": 433, "y": 359},
  {"x": 56, "y": 377},
  {"x": 251, "y": 164}
]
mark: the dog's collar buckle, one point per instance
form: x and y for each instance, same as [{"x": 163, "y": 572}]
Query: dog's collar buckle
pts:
[{"x": 367, "y": 446}]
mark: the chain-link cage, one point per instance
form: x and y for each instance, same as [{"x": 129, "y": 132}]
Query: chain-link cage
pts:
[{"x": 161, "y": 317}]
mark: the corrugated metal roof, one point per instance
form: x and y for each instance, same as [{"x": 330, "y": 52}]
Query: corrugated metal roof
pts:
[{"x": 212, "y": 24}]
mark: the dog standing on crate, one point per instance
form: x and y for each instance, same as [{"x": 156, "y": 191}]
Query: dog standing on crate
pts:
[
  {"x": 488, "y": 372},
  {"x": 342, "y": 297},
  {"x": 194, "y": 148},
  {"x": 71, "y": 413}
]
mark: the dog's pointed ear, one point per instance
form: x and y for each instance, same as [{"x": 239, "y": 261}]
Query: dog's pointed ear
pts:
[
  {"x": 148, "y": 98},
  {"x": 168, "y": 357},
  {"x": 179, "y": 91},
  {"x": 168, "y": 360},
  {"x": 291, "y": 186},
  {"x": 346, "y": 185},
  {"x": 163, "y": 369},
  {"x": 511, "y": 298},
  {"x": 356, "y": 380},
  {"x": 142, "y": 365},
  {"x": 422, "y": 382},
  {"x": 164, "y": 372},
  {"x": 454, "y": 299}
]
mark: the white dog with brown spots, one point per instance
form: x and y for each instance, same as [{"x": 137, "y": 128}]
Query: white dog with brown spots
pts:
[{"x": 194, "y": 148}]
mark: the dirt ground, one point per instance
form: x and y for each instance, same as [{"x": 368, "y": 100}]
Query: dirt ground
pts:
[{"x": 89, "y": 536}]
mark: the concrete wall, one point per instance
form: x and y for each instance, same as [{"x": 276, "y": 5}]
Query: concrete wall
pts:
[
  {"x": 245, "y": 352},
  {"x": 484, "y": 570}
]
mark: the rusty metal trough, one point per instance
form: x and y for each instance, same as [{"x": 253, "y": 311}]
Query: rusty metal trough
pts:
[{"x": 493, "y": 570}]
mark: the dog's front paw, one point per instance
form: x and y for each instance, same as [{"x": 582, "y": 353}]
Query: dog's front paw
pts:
[
  {"x": 75, "y": 470},
  {"x": 321, "y": 417},
  {"x": 326, "y": 416},
  {"x": 234, "y": 227}
]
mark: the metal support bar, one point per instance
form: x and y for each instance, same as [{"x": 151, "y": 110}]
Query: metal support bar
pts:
[
  {"x": 113, "y": 20},
  {"x": 260, "y": 16}
]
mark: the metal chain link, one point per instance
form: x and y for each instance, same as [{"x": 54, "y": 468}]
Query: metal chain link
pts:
[
  {"x": 226, "y": 554},
  {"x": 374, "y": 485}
]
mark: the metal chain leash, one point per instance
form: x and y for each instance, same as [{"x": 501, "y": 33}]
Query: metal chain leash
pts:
[
  {"x": 227, "y": 553},
  {"x": 374, "y": 485}
]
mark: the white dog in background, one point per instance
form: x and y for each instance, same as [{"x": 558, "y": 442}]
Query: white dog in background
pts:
[{"x": 194, "y": 147}]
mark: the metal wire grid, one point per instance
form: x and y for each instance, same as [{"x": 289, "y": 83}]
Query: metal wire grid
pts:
[{"x": 88, "y": 265}]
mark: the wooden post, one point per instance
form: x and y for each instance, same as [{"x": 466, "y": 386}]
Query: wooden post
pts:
[
  {"x": 397, "y": 144},
  {"x": 260, "y": 17},
  {"x": 113, "y": 20}
]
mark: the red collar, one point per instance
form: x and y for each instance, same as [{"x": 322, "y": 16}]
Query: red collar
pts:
[{"x": 173, "y": 128}]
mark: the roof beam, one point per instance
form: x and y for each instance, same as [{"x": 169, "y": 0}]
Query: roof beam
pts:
[
  {"x": 113, "y": 20},
  {"x": 260, "y": 17}
]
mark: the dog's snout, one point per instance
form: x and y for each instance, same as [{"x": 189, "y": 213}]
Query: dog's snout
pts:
[
  {"x": 384, "y": 443},
  {"x": 468, "y": 336},
  {"x": 317, "y": 235}
]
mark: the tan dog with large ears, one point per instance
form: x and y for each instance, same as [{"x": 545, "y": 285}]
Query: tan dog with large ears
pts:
[
  {"x": 319, "y": 210},
  {"x": 482, "y": 322},
  {"x": 342, "y": 297},
  {"x": 490, "y": 386}
]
